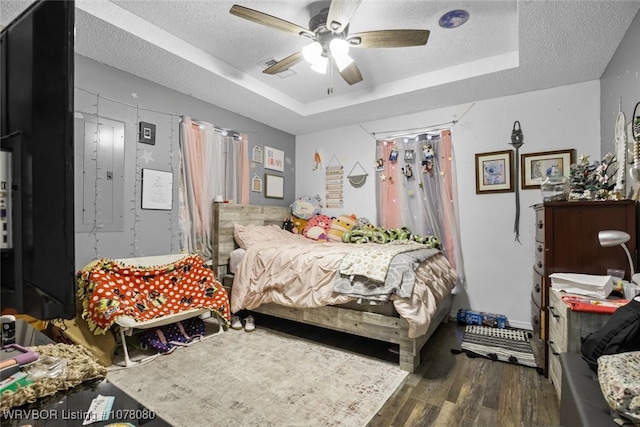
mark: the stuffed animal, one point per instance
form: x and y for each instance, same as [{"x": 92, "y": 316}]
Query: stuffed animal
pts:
[
  {"x": 299, "y": 225},
  {"x": 306, "y": 207},
  {"x": 340, "y": 225},
  {"x": 317, "y": 228},
  {"x": 289, "y": 225}
]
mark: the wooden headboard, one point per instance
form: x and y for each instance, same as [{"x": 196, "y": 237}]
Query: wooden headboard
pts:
[{"x": 225, "y": 215}]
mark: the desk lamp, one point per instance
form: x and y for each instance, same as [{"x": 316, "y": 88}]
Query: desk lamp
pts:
[{"x": 610, "y": 238}]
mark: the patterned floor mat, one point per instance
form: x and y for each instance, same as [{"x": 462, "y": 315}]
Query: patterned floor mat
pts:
[{"x": 505, "y": 345}]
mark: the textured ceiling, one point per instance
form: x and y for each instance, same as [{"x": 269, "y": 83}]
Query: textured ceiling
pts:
[{"x": 199, "y": 48}]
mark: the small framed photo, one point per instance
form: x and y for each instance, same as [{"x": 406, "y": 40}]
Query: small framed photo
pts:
[
  {"x": 494, "y": 172},
  {"x": 256, "y": 155},
  {"x": 393, "y": 156},
  {"x": 256, "y": 184},
  {"x": 147, "y": 133},
  {"x": 535, "y": 166},
  {"x": 409, "y": 155},
  {"x": 274, "y": 186}
]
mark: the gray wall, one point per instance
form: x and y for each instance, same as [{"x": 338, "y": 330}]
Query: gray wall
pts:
[
  {"x": 620, "y": 81},
  {"x": 125, "y": 98}
]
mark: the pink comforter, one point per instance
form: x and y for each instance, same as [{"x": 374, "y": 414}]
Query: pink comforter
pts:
[{"x": 299, "y": 272}]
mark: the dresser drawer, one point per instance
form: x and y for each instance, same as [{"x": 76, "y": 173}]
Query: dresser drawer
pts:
[
  {"x": 557, "y": 334},
  {"x": 555, "y": 370},
  {"x": 539, "y": 258},
  {"x": 535, "y": 317},
  {"x": 536, "y": 292},
  {"x": 540, "y": 225}
]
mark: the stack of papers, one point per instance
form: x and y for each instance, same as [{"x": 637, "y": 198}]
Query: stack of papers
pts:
[{"x": 582, "y": 284}]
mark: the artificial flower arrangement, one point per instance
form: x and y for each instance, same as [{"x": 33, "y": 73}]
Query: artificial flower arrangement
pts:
[{"x": 593, "y": 180}]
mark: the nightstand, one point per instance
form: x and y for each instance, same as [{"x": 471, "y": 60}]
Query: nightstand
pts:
[{"x": 566, "y": 330}]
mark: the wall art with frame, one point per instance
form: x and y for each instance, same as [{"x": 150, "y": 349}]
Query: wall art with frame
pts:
[
  {"x": 273, "y": 159},
  {"x": 157, "y": 190},
  {"x": 273, "y": 186},
  {"x": 494, "y": 172},
  {"x": 535, "y": 166}
]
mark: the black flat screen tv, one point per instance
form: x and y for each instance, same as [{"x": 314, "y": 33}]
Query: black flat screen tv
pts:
[{"x": 37, "y": 198}]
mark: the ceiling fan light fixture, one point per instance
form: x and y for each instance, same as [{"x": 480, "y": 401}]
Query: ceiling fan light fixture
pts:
[
  {"x": 312, "y": 52},
  {"x": 320, "y": 66},
  {"x": 342, "y": 61},
  {"x": 340, "y": 52},
  {"x": 339, "y": 47}
]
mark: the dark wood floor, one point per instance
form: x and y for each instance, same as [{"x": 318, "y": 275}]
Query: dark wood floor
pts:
[{"x": 448, "y": 389}]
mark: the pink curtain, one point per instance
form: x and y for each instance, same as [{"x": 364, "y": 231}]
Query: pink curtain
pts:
[
  {"x": 244, "y": 169},
  {"x": 425, "y": 200},
  {"x": 447, "y": 195},
  {"x": 389, "y": 208},
  {"x": 211, "y": 164}
]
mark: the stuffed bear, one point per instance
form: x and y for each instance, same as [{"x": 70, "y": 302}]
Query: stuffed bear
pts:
[{"x": 317, "y": 228}]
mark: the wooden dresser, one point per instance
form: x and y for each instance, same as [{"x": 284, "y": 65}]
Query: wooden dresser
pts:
[{"x": 567, "y": 242}]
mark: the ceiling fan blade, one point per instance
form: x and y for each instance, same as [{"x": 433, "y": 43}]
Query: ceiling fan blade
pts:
[
  {"x": 389, "y": 38},
  {"x": 284, "y": 64},
  {"x": 340, "y": 13},
  {"x": 268, "y": 20},
  {"x": 351, "y": 74}
]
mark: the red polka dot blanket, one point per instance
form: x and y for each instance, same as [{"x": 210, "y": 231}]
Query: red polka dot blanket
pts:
[{"x": 109, "y": 289}]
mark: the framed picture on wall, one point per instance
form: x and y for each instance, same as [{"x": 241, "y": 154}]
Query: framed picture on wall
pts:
[
  {"x": 536, "y": 165},
  {"x": 273, "y": 186},
  {"x": 256, "y": 155},
  {"x": 157, "y": 190},
  {"x": 256, "y": 184},
  {"x": 273, "y": 159},
  {"x": 494, "y": 172}
]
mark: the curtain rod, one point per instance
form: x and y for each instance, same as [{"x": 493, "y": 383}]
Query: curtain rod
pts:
[
  {"x": 412, "y": 133},
  {"x": 417, "y": 131},
  {"x": 230, "y": 132}
]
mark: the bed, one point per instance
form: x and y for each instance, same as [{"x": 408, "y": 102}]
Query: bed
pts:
[
  {"x": 408, "y": 322},
  {"x": 148, "y": 293}
]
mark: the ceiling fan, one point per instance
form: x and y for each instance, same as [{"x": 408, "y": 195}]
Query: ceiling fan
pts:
[{"x": 329, "y": 33}]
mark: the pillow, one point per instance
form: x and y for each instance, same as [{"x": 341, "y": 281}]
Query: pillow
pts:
[
  {"x": 250, "y": 234},
  {"x": 619, "y": 380}
]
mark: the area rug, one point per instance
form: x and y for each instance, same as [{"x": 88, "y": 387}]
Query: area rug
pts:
[
  {"x": 505, "y": 345},
  {"x": 262, "y": 378}
]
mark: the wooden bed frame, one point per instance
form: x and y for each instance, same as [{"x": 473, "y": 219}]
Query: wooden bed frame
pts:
[{"x": 393, "y": 329}]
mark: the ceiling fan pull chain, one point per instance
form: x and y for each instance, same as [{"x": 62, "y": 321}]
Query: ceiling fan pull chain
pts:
[{"x": 330, "y": 71}]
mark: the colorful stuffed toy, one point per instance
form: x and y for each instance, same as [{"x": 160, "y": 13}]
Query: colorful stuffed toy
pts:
[
  {"x": 289, "y": 225},
  {"x": 306, "y": 207},
  {"x": 340, "y": 225},
  {"x": 299, "y": 225},
  {"x": 317, "y": 228}
]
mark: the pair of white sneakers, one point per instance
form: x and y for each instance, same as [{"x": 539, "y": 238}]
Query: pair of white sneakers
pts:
[{"x": 248, "y": 323}]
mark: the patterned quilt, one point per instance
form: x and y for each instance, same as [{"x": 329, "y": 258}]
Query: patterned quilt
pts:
[
  {"x": 373, "y": 261},
  {"x": 109, "y": 289},
  {"x": 399, "y": 280}
]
